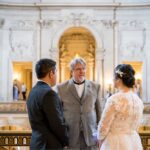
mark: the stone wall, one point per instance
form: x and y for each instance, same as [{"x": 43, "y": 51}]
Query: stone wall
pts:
[{"x": 121, "y": 33}]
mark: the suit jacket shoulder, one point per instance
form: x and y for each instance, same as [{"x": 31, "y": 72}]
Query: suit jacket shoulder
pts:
[
  {"x": 63, "y": 84},
  {"x": 94, "y": 85}
]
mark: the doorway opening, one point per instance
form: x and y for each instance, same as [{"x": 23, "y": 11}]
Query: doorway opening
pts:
[{"x": 22, "y": 79}]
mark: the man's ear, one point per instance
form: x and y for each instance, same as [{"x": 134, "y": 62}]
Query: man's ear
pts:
[
  {"x": 51, "y": 74},
  {"x": 71, "y": 72}
]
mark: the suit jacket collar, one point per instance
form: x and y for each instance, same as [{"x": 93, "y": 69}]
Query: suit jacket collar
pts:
[
  {"x": 73, "y": 90},
  {"x": 40, "y": 82},
  {"x": 86, "y": 91}
]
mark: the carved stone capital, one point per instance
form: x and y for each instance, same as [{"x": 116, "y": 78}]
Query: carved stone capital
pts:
[
  {"x": 53, "y": 53},
  {"x": 100, "y": 53}
]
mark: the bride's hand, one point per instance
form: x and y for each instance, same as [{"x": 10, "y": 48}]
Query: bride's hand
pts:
[{"x": 99, "y": 143}]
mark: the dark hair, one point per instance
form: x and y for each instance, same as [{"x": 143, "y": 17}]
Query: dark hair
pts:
[
  {"x": 126, "y": 73},
  {"x": 44, "y": 66}
]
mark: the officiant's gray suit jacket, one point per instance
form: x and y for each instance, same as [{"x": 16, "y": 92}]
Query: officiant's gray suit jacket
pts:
[{"x": 85, "y": 110}]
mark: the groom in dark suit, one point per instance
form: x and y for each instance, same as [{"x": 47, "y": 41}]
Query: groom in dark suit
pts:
[{"x": 49, "y": 130}]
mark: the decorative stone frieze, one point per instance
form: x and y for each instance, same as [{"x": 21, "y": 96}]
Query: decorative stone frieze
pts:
[
  {"x": 21, "y": 44},
  {"x": 108, "y": 24},
  {"x": 132, "y": 44},
  {"x": 48, "y": 24},
  {"x": 23, "y": 25},
  {"x": 131, "y": 24},
  {"x": 105, "y": 24},
  {"x": 77, "y": 17},
  {"x": 131, "y": 49}
]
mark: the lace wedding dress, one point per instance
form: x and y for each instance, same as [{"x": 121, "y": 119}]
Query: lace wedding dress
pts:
[{"x": 120, "y": 119}]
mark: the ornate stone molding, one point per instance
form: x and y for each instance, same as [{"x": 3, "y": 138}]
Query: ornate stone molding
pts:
[
  {"x": 131, "y": 24},
  {"x": 23, "y": 25},
  {"x": 132, "y": 50},
  {"x": 108, "y": 24},
  {"x": 100, "y": 54},
  {"x": 134, "y": 46},
  {"x": 47, "y": 24},
  {"x": 80, "y": 18},
  {"x": 131, "y": 46},
  {"x": 53, "y": 53},
  {"x": 22, "y": 44},
  {"x": 77, "y": 19}
]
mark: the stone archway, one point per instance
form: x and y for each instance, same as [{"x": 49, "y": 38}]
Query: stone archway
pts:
[
  {"x": 99, "y": 51},
  {"x": 76, "y": 41}
]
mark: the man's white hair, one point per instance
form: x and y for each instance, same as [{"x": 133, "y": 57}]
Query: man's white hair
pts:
[{"x": 75, "y": 61}]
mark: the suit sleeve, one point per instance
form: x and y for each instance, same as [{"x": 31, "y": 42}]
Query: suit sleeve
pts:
[
  {"x": 53, "y": 111},
  {"x": 98, "y": 105},
  {"x": 108, "y": 116}
]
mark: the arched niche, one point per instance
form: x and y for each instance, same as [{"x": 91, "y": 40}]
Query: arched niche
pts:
[
  {"x": 99, "y": 51},
  {"x": 76, "y": 42}
]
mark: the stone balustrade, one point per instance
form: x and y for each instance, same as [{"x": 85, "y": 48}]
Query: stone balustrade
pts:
[{"x": 15, "y": 129}]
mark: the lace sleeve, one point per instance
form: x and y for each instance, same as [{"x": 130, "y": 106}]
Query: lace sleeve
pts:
[{"x": 107, "y": 118}]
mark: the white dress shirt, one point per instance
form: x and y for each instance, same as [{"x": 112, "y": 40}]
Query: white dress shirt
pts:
[{"x": 80, "y": 89}]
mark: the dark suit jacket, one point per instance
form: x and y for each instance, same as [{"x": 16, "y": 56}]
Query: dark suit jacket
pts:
[{"x": 49, "y": 130}]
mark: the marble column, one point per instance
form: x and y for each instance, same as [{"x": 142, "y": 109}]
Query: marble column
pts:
[
  {"x": 62, "y": 70},
  {"x": 144, "y": 82},
  {"x": 1, "y": 59},
  {"x": 99, "y": 72},
  {"x": 10, "y": 80},
  {"x": 54, "y": 55},
  {"x": 91, "y": 69}
]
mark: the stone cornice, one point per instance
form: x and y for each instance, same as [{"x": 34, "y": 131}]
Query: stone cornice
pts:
[{"x": 41, "y": 5}]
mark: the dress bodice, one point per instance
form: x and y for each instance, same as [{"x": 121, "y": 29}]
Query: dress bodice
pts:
[{"x": 122, "y": 114}]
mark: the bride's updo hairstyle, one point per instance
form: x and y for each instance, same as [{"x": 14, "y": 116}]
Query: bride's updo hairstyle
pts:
[{"x": 126, "y": 73}]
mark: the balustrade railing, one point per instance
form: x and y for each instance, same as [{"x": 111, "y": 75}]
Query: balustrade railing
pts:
[
  {"x": 22, "y": 138},
  {"x": 145, "y": 138},
  {"x": 14, "y": 138}
]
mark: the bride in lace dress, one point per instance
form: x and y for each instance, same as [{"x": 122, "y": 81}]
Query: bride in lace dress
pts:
[{"x": 117, "y": 129}]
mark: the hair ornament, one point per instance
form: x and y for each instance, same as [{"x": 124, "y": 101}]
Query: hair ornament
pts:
[{"x": 119, "y": 72}]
